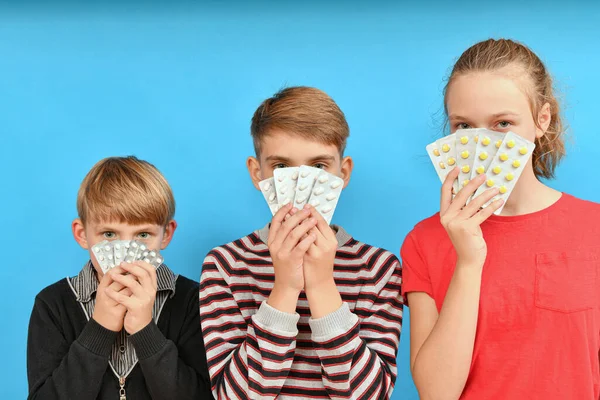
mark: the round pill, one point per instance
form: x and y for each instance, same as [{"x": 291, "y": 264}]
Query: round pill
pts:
[
  {"x": 464, "y": 139},
  {"x": 283, "y": 189},
  {"x": 272, "y": 197},
  {"x": 523, "y": 150},
  {"x": 315, "y": 203},
  {"x": 295, "y": 175},
  {"x": 107, "y": 248},
  {"x": 159, "y": 260},
  {"x": 465, "y": 182},
  {"x": 446, "y": 148},
  {"x": 110, "y": 256},
  {"x": 497, "y": 170},
  {"x": 323, "y": 178},
  {"x": 147, "y": 260},
  {"x": 143, "y": 247},
  {"x": 483, "y": 155},
  {"x": 145, "y": 254},
  {"x": 485, "y": 141},
  {"x": 97, "y": 249},
  {"x": 330, "y": 196},
  {"x": 503, "y": 189},
  {"x": 152, "y": 254},
  {"x": 281, "y": 178},
  {"x": 465, "y": 169},
  {"x": 516, "y": 163},
  {"x": 304, "y": 174},
  {"x": 510, "y": 144},
  {"x": 267, "y": 186},
  {"x": 117, "y": 246},
  {"x": 436, "y": 152},
  {"x": 510, "y": 177},
  {"x": 490, "y": 182},
  {"x": 451, "y": 161},
  {"x": 465, "y": 154},
  {"x": 498, "y": 144},
  {"x": 503, "y": 157},
  {"x": 318, "y": 191},
  {"x": 442, "y": 165},
  {"x": 480, "y": 170},
  {"x": 100, "y": 258},
  {"x": 336, "y": 184},
  {"x": 326, "y": 209},
  {"x": 134, "y": 245}
]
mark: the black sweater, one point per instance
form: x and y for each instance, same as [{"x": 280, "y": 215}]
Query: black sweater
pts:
[{"x": 67, "y": 356}]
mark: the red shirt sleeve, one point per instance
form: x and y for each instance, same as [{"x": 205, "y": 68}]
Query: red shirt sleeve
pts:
[{"x": 415, "y": 272}]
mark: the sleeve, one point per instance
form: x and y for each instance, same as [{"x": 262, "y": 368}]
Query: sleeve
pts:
[
  {"x": 57, "y": 369},
  {"x": 414, "y": 268},
  {"x": 358, "y": 349},
  {"x": 247, "y": 358},
  {"x": 174, "y": 370}
]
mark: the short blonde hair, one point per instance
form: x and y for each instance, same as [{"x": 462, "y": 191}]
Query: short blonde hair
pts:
[
  {"x": 492, "y": 55},
  {"x": 126, "y": 190},
  {"x": 304, "y": 111}
]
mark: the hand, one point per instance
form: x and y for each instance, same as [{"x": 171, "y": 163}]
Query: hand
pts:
[
  {"x": 462, "y": 222},
  {"x": 288, "y": 241},
  {"x": 107, "y": 312},
  {"x": 320, "y": 257},
  {"x": 141, "y": 281}
]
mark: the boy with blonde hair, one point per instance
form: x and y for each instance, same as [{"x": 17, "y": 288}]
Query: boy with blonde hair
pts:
[
  {"x": 299, "y": 309},
  {"x": 133, "y": 331}
]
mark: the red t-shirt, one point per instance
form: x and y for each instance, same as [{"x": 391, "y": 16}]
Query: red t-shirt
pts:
[{"x": 539, "y": 313}]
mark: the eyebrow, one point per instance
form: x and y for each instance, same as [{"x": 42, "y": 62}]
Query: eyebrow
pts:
[
  {"x": 497, "y": 115},
  {"x": 322, "y": 157}
]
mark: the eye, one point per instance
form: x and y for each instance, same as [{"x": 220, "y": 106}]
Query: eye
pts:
[
  {"x": 280, "y": 165},
  {"x": 504, "y": 124},
  {"x": 462, "y": 125},
  {"x": 109, "y": 235},
  {"x": 320, "y": 165},
  {"x": 144, "y": 235}
]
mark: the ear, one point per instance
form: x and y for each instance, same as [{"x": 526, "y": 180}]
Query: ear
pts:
[
  {"x": 79, "y": 233},
  {"x": 168, "y": 235},
  {"x": 347, "y": 167},
  {"x": 544, "y": 118},
  {"x": 253, "y": 166}
]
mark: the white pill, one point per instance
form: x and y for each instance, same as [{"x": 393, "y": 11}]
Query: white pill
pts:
[
  {"x": 110, "y": 256},
  {"x": 304, "y": 174},
  {"x": 336, "y": 184},
  {"x": 315, "y": 203},
  {"x": 144, "y": 254},
  {"x": 117, "y": 246},
  {"x": 318, "y": 191},
  {"x": 152, "y": 254},
  {"x": 326, "y": 209},
  {"x": 301, "y": 199},
  {"x": 107, "y": 248},
  {"x": 117, "y": 256},
  {"x": 272, "y": 197},
  {"x": 267, "y": 186},
  {"x": 330, "y": 196},
  {"x": 147, "y": 260},
  {"x": 283, "y": 189},
  {"x": 281, "y": 178},
  {"x": 295, "y": 175},
  {"x": 143, "y": 247},
  {"x": 323, "y": 178},
  {"x": 303, "y": 186},
  {"x": 286, "y": 201},
  {"x": 97, "y": 249},
  {"x": 134, "y": 245},
  {"x": 159, "y": 260}
]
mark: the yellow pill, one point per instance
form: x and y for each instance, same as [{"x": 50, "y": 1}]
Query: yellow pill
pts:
[
  {"x": 497, "y": 170},
  {"x": 503, "y": 157},
  {"x": 451, "y": 161},
  {"x": 486, "y": 140},
  {"x": 523, "y": 150},
  {"x": 503, "y": 189},
  {"x": 510, "y": 144},
  {"x": 442, "y": 165},
  {"x": 446, "y": 148},
  {"x": 436, "y": 152},
  {"x": 465, "y": 182},
  {"x": 490, "y": 182},
  {"x": 464, "y": 139},
  {"x": 465, "y": 154},
  {"x": 510, "y": 177},
  {"x": 483, "y": 156},
  {"x": 516, "y": 163},
  {"x": 465, "y": 169},
  {"x": 480, "y": 170},
  {"x": 498, "y": 144},
  {"x": 476, "y": 138}
]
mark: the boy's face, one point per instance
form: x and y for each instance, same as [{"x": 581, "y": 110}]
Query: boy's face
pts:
[
  {"x": 282, "y": 149},
  {"x": 154, "y": 236}
]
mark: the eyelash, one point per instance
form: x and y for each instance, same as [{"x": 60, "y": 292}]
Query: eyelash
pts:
[
  {"x": 322, "y": 165},
  {"x": 279, "y": 165},
  {"x": 458, "y": 126},
  {"x": 108, "y": 232}
]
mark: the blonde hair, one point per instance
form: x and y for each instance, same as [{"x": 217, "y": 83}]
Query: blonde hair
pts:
[
  {"x": 492, "y": 55},
  {"x": 304, "y": 111},
  {"x": 127, "y": 190}
]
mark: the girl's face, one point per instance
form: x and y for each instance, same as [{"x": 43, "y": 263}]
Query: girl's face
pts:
[{"x": 494, "y": 101}]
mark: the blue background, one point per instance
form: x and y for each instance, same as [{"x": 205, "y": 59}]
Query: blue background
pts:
[{"x": 176, "y": 83}]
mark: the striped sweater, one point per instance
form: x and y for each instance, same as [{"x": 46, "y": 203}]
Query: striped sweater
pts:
[{"x": 256, "y": 351}]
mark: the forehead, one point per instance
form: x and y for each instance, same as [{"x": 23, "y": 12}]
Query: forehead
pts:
[
  {"x": 484, "y": 93},
  {"x": 295, "y": 147}
]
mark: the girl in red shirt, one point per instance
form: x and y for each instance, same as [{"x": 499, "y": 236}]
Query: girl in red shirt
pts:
[{"x": 505, "y": 307}]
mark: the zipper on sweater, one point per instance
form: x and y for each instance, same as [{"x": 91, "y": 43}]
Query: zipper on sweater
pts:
[{"x": 122, "y": 394}]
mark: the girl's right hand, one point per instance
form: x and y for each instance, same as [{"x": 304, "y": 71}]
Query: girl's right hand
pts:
[{"x": 462, "y": 221}]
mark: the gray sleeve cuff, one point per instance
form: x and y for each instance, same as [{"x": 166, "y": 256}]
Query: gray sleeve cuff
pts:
[
  {"x": 148, "y": 341},
  {"x": 97, "y": 338},
  {"x": 336, "y": 323},
  {"x": 271, "y": 319}
]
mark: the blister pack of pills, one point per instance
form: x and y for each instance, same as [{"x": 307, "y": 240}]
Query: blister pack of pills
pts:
[
  {"x": 111, "y": 253},
  {"x": 303, "y": 185},
  {"x": 500, "y": 156}
]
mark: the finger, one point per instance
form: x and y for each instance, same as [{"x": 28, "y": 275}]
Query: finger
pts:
[
  {"x": 460, "y": 200},
  {"x": 296, "y": 235},
  {"x": 116, "y": 286},
  {"x": 120, "y": 298},
  {"x": 304, "y": 245},
  {"x": 277, "y": 221},
  {"x": 289, "y": 225},
  {"x": 130, "y": 282},
  {"x": 484, "y": 214},
  {"x": 150, "y": 270},
  {"x": 475, "y": 205},
  {"x": 322, "y": 225},
  {"x": 139, "y": 272},
  {"x": 446, "y": 196}
]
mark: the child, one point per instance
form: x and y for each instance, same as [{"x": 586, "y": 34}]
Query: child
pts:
[
  {"x": 299, "y": 309},
  {"x": 134, "y": 331},
  {"x": 506, "y": 307}
]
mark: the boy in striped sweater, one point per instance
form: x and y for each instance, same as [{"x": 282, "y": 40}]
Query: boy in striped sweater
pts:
[{"x": 300, "y": 309}]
